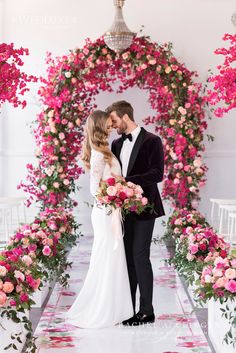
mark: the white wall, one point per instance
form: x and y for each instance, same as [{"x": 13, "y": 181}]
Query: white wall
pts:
[{"x": 194, "y": 26}]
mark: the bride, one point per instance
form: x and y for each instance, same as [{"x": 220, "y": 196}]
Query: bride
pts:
[{"x": 105, "y": 298}]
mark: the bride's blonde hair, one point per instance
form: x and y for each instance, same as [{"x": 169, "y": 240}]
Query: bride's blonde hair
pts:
[{"x": 96, "y": 137}]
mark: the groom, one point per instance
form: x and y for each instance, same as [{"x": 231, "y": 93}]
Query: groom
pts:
[{"x": 142, "y": 161}]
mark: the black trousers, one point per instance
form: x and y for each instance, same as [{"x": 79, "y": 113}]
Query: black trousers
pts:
[{"x": 137, "y": 240}]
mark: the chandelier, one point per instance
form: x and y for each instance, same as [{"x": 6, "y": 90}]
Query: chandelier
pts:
[
  {"x": 233, "y": 18},
  {"x": 119, "y": 37}
]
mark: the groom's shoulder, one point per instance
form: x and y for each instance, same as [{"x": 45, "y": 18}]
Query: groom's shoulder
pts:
[{"x": 152, "y": 137}]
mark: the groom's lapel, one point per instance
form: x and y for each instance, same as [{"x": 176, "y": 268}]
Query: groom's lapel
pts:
[
  {"x": 135, "y": 150},
  {"x": 119, "y": 145}
]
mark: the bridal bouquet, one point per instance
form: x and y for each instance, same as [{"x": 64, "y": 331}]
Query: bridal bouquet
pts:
[{"x": 121, "y": 194}]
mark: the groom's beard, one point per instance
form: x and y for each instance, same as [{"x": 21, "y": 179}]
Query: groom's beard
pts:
[{"x": 122, "y": 128}]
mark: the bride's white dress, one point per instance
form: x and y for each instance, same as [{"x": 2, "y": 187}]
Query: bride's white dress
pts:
[{"x": 105, "y": 298}]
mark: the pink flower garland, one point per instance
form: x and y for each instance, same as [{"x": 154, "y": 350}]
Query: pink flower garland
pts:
[{"x": 68, "y": 96}]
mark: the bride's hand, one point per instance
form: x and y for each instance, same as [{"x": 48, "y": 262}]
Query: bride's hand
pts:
[{"x": 118, "y": 177}]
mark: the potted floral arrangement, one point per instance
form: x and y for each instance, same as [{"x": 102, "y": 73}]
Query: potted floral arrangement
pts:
[
  {"x": 218, "y": 286},
  {"x": 20, "y": 277},
  {"x": 194, "y": 248}
]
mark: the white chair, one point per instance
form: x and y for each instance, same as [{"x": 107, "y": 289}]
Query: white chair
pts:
[
  {"x": 9, "y": 206},
  {"x": 232, "y": 230},
  {"x": 219, "y": 203},
  {"x": 224, "y": 217}
]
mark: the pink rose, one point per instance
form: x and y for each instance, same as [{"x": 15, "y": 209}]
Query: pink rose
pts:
[
  {"x": 61, "y": 136},
  {"x": 18, "y": 289},
  {"x": 8, "y": 287},
  {"x": 3, "y": 298},
  {"x": 138, "y": 189},
  {"x": 187, "y": 168},
  {"x": 193, "y": 248},
  {"x": 46, "y": 250},
  {"x": 233, "y": 263},
  {"x": 78, "y": 122},
  {"x": 133, "y": 208},
  {"x": 56, "y": 185},
  {"x": 182, "y": 110},
  {"x": 111, "y": 181},
  {"x": 129, "y": 192},
  {"x": 125, "y": 55},
  {"x": 52, "y": 225},
  {"x": 143, "y": 66},
  {"x": 32, "y": 247},
  {"x": 167, "y": 69},
  {"x": 231, "y": 286},
  {"x": 66, "y": 182},
  {"x": 12, "y": 302},
  {"x": 24, "y": 297},
  {"x": 144, "y": 201},
  {"x": 27, "y": 260},
  {"x": 190, "y": 257},
  {"x": 220, "y": 283},
  {"x": 122, "y": 195},
  {"x": 111, "y": 190},
  {"x": 190, "y": 179},
  {"x": 152, "y": 62},
  {"x": 3, "y": 271},
  {"x": 230, "y": 273},
  {"x": 19, "y": 275},
  {"x": 189, "y": 230}
]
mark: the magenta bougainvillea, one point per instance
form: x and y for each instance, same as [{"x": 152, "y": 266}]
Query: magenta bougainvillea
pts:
[
  {"x": 224, "y": 82},
  {"x": 13, "y": 82}
]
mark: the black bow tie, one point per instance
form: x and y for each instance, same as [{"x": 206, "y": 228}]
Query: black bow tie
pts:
[{"x": 124, "y": 137}]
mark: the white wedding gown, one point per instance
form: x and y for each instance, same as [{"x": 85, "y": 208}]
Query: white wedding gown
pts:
[{"x": 105, "y": 298}]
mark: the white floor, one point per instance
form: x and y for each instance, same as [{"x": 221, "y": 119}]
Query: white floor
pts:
[{"x": 176, "y": 329}]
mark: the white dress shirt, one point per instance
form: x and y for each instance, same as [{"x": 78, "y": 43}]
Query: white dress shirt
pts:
[{"x": 127, "y": 149}]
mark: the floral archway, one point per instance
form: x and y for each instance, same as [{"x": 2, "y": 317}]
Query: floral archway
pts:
[{"x": 68, "y": 97}]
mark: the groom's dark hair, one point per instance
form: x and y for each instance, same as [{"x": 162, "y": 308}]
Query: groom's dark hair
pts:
[{"x": 121, "y": 108}]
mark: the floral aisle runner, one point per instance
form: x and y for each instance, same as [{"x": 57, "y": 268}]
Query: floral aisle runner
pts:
[{"x": 176, "y": 329}]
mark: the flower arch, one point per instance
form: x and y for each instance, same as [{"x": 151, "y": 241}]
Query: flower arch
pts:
[{"x": 68, "y": 95}]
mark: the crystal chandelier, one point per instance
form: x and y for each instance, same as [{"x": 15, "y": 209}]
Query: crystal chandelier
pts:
[
  {"x": 119, "y": 37},
  {"x": 233, "y": 18}
]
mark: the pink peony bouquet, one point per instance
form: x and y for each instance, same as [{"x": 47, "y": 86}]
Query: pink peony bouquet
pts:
[
  {"x": 121, "y": 194},
  {"x": 219, "y": 279}
]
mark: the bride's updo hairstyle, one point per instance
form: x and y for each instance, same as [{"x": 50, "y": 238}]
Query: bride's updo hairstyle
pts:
[{"x": 96, "y": 137}]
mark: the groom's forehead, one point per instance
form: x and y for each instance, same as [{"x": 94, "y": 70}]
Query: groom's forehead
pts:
[{"x": 114, "y": 115}]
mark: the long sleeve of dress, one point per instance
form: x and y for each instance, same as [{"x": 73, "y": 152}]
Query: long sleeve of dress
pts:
[{"x": 97, "y": 165}]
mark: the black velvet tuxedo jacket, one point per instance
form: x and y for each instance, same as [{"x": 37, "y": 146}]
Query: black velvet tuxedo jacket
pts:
[{"x": 146, "y": 168}]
